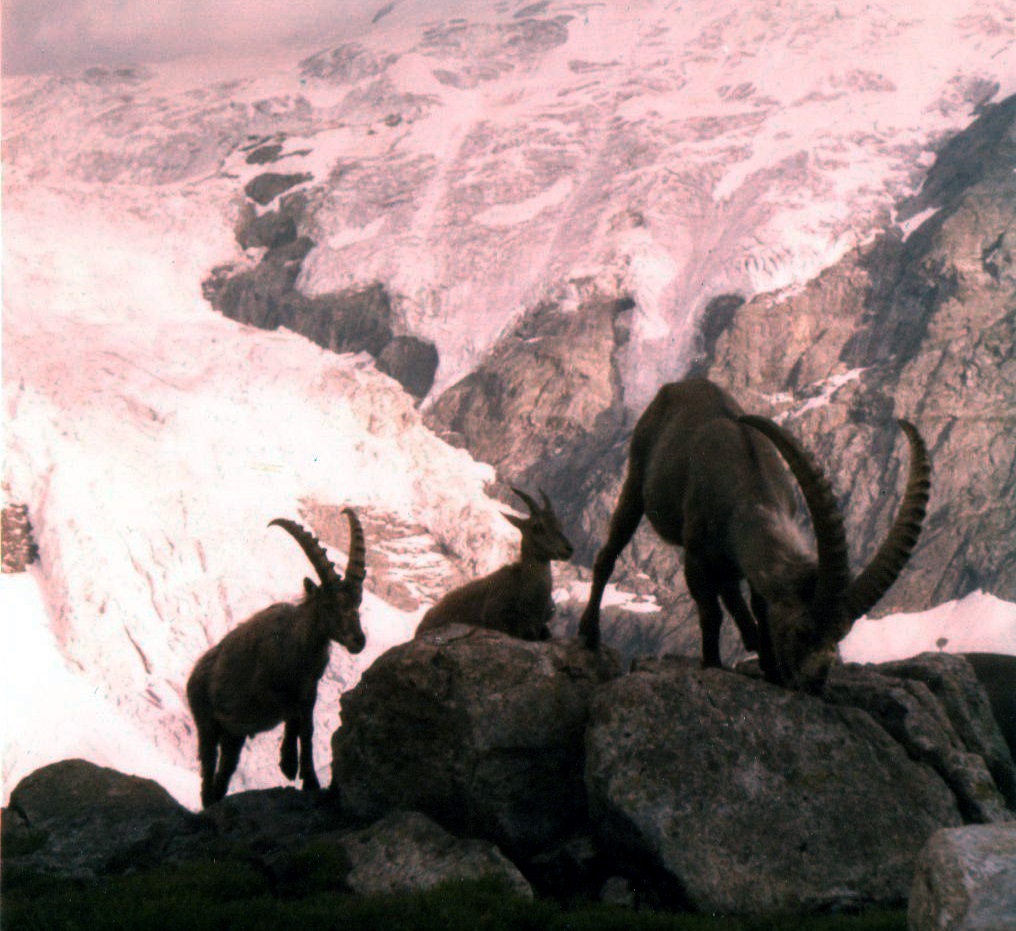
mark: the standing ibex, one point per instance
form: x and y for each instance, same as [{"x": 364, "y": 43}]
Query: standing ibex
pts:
[
  {"x": 710, "y": 480},
  {"x": 516, "y": 599},
  {"x": 266, "y": 671}
]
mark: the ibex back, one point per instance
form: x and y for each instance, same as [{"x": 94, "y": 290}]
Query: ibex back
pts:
[
  {"x": 710, "y": 480},
  {"x": 266, "y": 671}
]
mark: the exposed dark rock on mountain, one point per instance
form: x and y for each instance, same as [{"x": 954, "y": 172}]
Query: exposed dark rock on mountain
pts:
[
  {"x": 553, "y": 382},
  {"x": 921, "y": 326},
  {"x": 16, "y": 540},
  {"x": 358, "y": 319},
  {"x": 265, "y": 188}
]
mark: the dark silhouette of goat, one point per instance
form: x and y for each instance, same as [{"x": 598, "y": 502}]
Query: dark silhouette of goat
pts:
[
  {"x": 711, "y": 480},
  {"x": 516, "y": 599},
  {"x": 266, "y": 671}
]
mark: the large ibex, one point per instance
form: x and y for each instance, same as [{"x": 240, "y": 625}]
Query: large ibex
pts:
[
  {"x": 710, "y": 480},
  {"x": 516, "y": 599},
  {"x": 266, "y": 671}
]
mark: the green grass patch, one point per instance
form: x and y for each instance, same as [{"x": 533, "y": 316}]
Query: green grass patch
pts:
[{"x": 227, "y": 895}]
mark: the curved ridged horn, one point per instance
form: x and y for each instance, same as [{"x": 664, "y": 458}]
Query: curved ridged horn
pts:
[
  {"x": 886, "y": 565},
  {"x": 529, "y": 502},
  {"x": 312, "y": 548},
  {"x": 826, "y": 519},
  {"x": 356, "y": 565}
]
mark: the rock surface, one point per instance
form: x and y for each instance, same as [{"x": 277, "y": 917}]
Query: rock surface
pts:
[
  {"x": 966, "y": 881},
  {"x": 934, "y": 706},
  {"x": 404, "y": 851},
  {"x": 476, "y": 729},
  {"x": 746, "y": 795}
]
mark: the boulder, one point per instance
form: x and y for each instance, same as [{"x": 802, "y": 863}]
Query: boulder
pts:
[
  {"x": 407, "y": 851},
  {"x": 935, "y": 708},
  {"x": 966, "y": 881},
  {"x": 76, "y": 819},
  {"x": 748, "y": 798},
  {"x": 480, "y": 731}
]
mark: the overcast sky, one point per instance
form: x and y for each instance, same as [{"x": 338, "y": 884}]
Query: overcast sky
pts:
[{"x": 69, "y": 35}]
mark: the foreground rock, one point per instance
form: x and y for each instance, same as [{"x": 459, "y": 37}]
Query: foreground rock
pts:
[
  {"x": 480, "y": 731},
  {"x": 76, "y": 820},
  {"x": 753, "y": 799},
  {"x": 966, "y": 880},
  {"x": 79, "y": 820},
  {"x": 406, "y": 851},
  {"x": 935, "y": 708}
]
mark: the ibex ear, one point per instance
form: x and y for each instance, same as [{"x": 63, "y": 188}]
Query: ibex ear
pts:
[
  {"x": 309, "y": 587},
  {"x": 515, "y": 521}
]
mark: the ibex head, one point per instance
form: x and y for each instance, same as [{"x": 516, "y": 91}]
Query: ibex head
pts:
[
  {"x": 812, "y": 608},
  {"x": 336, "y": 599},
  {"x": 542, "y": 536}
]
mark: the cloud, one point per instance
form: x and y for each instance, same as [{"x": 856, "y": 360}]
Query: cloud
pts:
[{"x": 69, "y": 35}]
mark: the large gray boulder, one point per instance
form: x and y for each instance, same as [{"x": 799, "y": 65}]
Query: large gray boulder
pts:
[
  {"x": 966, "y": 881},
  {"x": 407, "y": 851},
  {"x": 935, "y": 708},
  {"x": 752, "y": 799},
  {"x": 76, "y": 819},
  {"x": 480, "y": 731}
]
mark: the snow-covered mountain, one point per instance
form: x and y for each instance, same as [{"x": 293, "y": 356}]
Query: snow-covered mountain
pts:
[{"x": 485, "y": 170}]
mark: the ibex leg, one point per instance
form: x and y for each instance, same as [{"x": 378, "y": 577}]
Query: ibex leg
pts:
[
  {"x": 288, "y": 761},
  {"x": 229, "y": 756},
  {"x": 707, "y": 599},
  {"x": 623, "y": 524},
  {"x": 735, "y": 604},
  {"x": 208, "y": 754},
  {"x": 307, "y": 771},
  {"x": 766, "y": 654}
]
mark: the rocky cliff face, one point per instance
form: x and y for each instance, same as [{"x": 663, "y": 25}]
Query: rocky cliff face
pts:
[{"x": 920, "y": 323}]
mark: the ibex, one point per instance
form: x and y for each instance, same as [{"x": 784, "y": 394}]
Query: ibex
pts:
[
  {"x": 516, "y": 599},
  {"x": 710, "y": 480},
  {"x": 266, "y": 671}
]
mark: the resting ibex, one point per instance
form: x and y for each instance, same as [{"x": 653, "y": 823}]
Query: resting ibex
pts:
[
  {"x": 516, "y": 599},
  {"x": 266, "y": 671},
  {"x": 710, "y": 480}
]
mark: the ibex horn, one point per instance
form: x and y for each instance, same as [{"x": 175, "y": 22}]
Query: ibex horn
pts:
[
  {"x": 312, "y": 548},
  {"x": 529, "y": 502},
  {"x": 826, "y": 519},
  {"x": 356, "y": 565},
  {"x": 887, "y": 564}
]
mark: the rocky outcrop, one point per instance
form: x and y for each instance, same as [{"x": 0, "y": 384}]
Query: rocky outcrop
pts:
[
  {"x": 918, "y": 324},
  {"x": 744, "y": 795},
  {"x": 553, "y": 378},
  {"x": 77, "y": 820},
  {"x": 405, "y": 850},
  {"x": 80, "y": 820},
  {"x": 934, "y": 706},
  {"x": 264, "y": 293},
  {"x": 478, "y": 730},
  {"x": 966, "y": 881},
  {"x": 17, "y": 542},
  {"x": 467, "y": 753}
]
